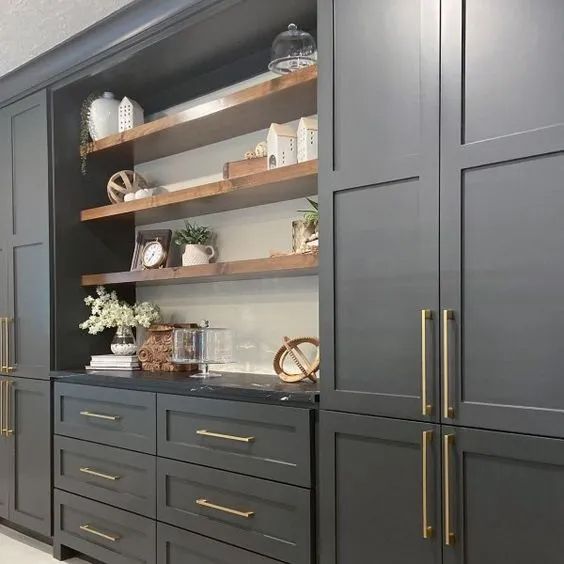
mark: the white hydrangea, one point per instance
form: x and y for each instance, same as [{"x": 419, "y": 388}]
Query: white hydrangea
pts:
[{"x": 107, "y": 311}]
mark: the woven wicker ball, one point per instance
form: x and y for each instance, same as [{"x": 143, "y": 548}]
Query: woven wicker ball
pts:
[{"x": 124, "y": 182}]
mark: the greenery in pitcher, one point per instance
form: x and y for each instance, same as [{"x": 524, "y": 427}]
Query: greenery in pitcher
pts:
[
  {"x": 311, "y": 216},
  {"x": 192, "y": 234}
]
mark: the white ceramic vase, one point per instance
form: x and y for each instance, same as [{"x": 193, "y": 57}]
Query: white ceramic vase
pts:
[
  {"x": 104, "y": 116},
  {"x": 197, "y": 254}
]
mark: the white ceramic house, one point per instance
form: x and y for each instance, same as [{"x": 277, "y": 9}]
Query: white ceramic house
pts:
[
  {"x": 282, "y": 146},
  {"x": 131, "y": 114},
  {"x": 307, "y": 139}
]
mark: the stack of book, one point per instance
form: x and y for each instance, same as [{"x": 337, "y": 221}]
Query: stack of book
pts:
[{"x": 113, "y": 362}]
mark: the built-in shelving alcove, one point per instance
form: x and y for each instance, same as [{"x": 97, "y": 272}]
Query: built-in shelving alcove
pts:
[{"x": 207, "y": 96}]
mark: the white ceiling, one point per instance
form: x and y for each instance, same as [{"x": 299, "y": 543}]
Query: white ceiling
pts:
[{"x": 31, "y": 27}]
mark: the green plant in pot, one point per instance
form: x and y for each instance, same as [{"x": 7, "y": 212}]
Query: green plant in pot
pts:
[
  {"x": 195, "y": 239},
  {"x": 305, "y": 232},
  {"x": 311, "y": 216}
]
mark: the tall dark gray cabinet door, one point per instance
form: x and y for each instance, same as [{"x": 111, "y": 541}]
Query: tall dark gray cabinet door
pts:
[
  {"x": 378, "y": 184},
  {"x": 380, "y": 490},
  {"x": 30, "y": 488},
  {"x": 502, "y": 209},
  {"x": 506, "y": 493},
  {"x": 24, "y": 185}
]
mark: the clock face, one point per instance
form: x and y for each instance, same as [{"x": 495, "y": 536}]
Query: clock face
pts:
[{"x": 153, "y": 255}]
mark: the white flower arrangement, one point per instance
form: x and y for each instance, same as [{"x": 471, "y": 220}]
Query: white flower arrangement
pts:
[{"x": 108, "y": 311}]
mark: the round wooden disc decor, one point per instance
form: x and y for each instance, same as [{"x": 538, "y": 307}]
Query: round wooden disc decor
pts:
[
  {"x": 124, "y": 182},
  {"x": 290, "y": 351}
]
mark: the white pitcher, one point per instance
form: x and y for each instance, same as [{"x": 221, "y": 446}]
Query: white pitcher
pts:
[{"x": 197, "y": 254}]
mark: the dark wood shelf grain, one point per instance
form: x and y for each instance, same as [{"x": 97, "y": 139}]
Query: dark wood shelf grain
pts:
[
  {"x": 285, "y": 183},
  {"x": 281, "y": 99},
  {"x": 273, "y": 267}
]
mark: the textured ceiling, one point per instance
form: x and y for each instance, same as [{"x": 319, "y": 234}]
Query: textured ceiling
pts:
[{"x": 31, "y": 27}]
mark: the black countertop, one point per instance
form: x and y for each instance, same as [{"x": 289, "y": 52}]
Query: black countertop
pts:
[{"x": 237, "y": 386}]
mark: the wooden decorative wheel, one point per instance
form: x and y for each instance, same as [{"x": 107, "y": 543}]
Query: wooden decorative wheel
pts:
[
  {"x": 290, "y": 352},
  {"x": 124, "y": 182}
]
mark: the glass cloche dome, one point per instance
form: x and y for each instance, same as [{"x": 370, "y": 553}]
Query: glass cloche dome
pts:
[{"x": 292, "y": 50}]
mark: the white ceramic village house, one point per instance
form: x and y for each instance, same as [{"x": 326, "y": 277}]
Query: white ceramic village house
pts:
[
  {"x": 307, "y": 139},
  {"x": 282, "y": 147},
  {"x": 130, "y": 114}
]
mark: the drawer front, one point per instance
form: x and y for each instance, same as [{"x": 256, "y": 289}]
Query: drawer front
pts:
[
  {"x": 175, "y": 546},
  {"x": 266, "y": 517},
  {"x": 107, "y": 534},
  {"x": 266, "y": 441},
  {"x": 111, "y": 475},
  {"x": 120, "y": 418}
]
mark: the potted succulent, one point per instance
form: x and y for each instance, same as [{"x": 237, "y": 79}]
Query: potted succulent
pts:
[
  {"x": 108, "y": 312},
  {"x": 305, "y": 232},
  {"x": 195, "y": 239}
]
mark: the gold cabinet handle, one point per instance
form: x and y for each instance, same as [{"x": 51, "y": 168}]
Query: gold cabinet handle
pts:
[
  {"x": 8, "y": 430},
  {"x": 92, "y": 472},
  {"x": 426, "y": 408},
  {"x": 207, "y": 433},
  {"x": 6, "y": 343},
  {"x": 2, "y": 427},
  {"x": 426, "y": 439},
  {"x": 206, "y": 503},
  {"x": 93, "y": 531},
  {"x": 448, "y": 411},
  {"x": 2, "y": 347},
  {"x": 448, "y": 440},
  {"x": 100, "y": 416}
]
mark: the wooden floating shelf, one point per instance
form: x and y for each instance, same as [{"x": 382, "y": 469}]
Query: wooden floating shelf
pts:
[
  {"x": 281, "y": 99},
  {"x": 274, "y": 267},
  {"x": 285, "y": 183}
]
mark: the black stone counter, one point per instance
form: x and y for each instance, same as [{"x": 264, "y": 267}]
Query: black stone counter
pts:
[{"x": 235, "y": 386}]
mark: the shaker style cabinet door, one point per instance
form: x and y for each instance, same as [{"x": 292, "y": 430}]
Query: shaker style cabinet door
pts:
[
  {"x": 379, "y": 490},
  {"x": 506, "y": 496},
  {"x": 24, "y": 237},
  {"x": 502, "y": 204},
  {"x": 378, "y": 184}
]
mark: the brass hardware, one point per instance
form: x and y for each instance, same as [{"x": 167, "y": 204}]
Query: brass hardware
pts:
[
  {"x": 448, "y": 411},
  {"x": 6, "y": 342},
  {"x": 426, "y": 439},
  {"x": 206, "y": 433},
  {"x": 426, "y": 408},
  {"x": 2, "y": 363},
  {"x": 99, "y": 474},
  {"x": 2, "y": 428},
  {"x": 8, "y": 431},
  {"x": 448, "y": 440},
  {"x": 93, "y": 531},
  {"x": 100, "y": 416},
  {"x": 206, "y": 503}
]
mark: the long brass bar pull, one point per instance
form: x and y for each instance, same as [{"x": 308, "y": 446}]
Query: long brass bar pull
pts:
[
  {"x": 7, "y": 366},
  {"x": 426, "y": 440},
  {"x": 426, "y": 408},
  {"x": 92, "y": 472},
  {"x": 448, "y": 440},
  {"x": 206, "y": 433},
  {"x": 8, "y": 431},
  {"x": 207, "y": 504},
  {"x": 2, "y": 361},
  {"x": 2, "y": 427},
  {"x": 95, "y": 532},
  {"x": 100, "y": 416},
  {"x": 448, "y": 410}
]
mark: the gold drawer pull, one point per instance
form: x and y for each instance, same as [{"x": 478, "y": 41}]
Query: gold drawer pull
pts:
[
  {"x": 206, "y": 433},
  {"x": 426, "y": 408},
  {"x": 448, "y": 410},
  {"x": 8, "y": 431},
  {"x": 426, "y": 439},
  {"x": 91, "y": 472},
  {"x": 206, "y": 503},
  {"x": 6, "y": 345},
  {"x": 93, "y": 531},
  {"x": 100, "y": 416},
  {"x": 450, "y": 537},
  {"x": 2, "y": 428}
]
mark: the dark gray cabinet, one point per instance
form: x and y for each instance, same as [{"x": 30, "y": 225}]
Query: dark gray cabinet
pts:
[
  {"x": 379, "y": 206},
  {"x": 506, "y": 494},
  {"x": 502, "y": 197},
  {"x": 25, "y": 449},
  {"x": 380, "y": 490},
  {"x": 24, "y": 237}
]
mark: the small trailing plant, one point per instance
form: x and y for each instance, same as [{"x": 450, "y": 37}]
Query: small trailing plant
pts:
[
  {"x": 84, "y": 131},
  {"x": 311, "y": 216},
  {"x": 192, "y": 234},
  {"x": 107, "y": 312}
]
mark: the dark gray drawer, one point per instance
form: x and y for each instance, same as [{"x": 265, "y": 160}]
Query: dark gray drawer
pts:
[
  {"x": 102, "y": 532},
  {"x": 175, "y": 546},
  {"x": 111, "y": 475},
  {"x": 121, "y": 418},
  {"x": 266, "y": 517},
  {"x": 266, "y": 441}
]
